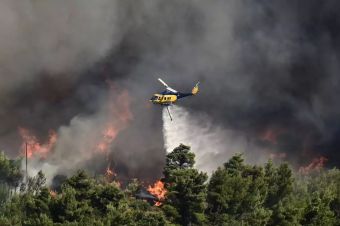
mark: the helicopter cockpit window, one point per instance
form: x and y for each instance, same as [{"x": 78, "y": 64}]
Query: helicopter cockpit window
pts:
[{"x": 154, "y": 98}]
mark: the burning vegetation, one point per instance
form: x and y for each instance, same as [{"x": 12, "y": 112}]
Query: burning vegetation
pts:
[
  {"x": 33, "y": 146},
  {"x": 314, "y": 166},
  {"x": 118, "y": 117},
  {"x": 93, "y": 142},
  {"x": 271, "y": 135},
  {"x": 111, "y": 176},
  {"x": 53, "y": 193},
  {"x": 159, "y": 191},
  {"x": 109, "y": 135}
]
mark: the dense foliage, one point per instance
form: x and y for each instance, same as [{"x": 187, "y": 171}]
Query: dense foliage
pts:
[{"x": 236, "y": 194}]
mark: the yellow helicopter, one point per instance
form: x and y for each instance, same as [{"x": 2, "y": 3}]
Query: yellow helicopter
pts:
[{"x": 169, "y": 96}]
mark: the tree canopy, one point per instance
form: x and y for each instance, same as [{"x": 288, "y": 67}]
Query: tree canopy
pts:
[{"x": 236, "y": 193}]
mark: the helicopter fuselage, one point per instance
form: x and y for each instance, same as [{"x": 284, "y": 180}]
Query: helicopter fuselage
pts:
[{"x": 163, "y": 99}]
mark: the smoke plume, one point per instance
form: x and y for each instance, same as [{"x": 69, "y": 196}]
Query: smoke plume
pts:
[{"x": 269, "y": 73}]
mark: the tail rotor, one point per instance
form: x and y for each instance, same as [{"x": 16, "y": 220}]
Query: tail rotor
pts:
[{"x": 195, "y": 90}]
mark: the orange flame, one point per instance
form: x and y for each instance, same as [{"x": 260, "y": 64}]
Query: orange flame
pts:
[
  {"x": 117, "y": 183},
  {"x": 119, "y": 116},
  {"x": 316, "y": 165},
  {"x": 109, "y": 172},
  {"x": 111, "y": 176},
  {"x": 124, "y": 112},
  {"x": 271, "y": 135},
  {"x": 33, "y": 145},
  {"x": 53, "y": 194},
  {"x": 108, "y": 136},
  {"x": 278, "y": 155},
  {"x": 159, "y": 191}
]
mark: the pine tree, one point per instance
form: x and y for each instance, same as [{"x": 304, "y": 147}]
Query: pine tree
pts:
[
  {"x": 236, "y": 193},
  {"x": 186, "y": 196}
]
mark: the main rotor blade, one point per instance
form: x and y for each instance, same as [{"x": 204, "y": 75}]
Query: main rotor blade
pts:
[
  {"x": 166, "y": 85},
  {"x": 172, "y": 90}
]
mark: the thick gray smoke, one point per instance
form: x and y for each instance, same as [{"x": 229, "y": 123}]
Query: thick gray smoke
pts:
[
  {"x": 56, "y": 37},
  {"x": 269, "y": 71}
]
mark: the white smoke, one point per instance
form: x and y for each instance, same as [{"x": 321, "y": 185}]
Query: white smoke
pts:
[
  {"x": 212, "y": 144},
  {"x": 35, "y": 165}
]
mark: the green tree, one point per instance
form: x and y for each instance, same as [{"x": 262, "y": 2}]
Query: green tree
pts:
[
  {"x": 34, "y": 184},
  {"x": 138, "y": 212},
  {"x": 82, "y": 184},
  {"x": 103, "y": 196},
  {"x": 333, "y": 176},
  {"x": 36, "y": 208},
  {"x": 10, "y": 177},
  {"x": 280, "y": 183},
  {"x": 321, "y": 199},
  {"x": 75, "y": 201},
  {"x": 68, "y": 209},
  {"x": 236, "y": 194},
  {"x": 85, "y": 201},
  {"x": 186, "y": 189},
  {"x": 132, "y": 187},
  {"x": 30, "y": 207},
  {"x": 280, "y": 199},
  {"x": 318, "y": 211},
  {"x": 288, "y": 211}
]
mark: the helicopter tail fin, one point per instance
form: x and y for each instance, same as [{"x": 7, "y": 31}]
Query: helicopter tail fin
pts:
[{"x": 195, "y": 89}]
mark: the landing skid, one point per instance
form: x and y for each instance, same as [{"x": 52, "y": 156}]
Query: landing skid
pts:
[{"x": 167, "y": 108}]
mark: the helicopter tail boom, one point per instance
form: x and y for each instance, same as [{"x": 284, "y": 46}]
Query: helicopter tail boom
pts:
[{"x": 194, "y": 91}]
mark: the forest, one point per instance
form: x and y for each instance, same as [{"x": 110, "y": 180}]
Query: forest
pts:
[{"x": 236, "y": 193}]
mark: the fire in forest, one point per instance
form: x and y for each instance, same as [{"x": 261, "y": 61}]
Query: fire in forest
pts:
[
  {"x": 109, "y": 173},
  {"x": 74, "y": 145},
  {"x": 34, "y": 147},
  {"x": 119, "y": 115},
  {"x": 159, "y": 191},
  {"x": 109, "y": 135},
  {"x": 316, "y": 165},
  {"x": 277, "y": 155},
  {"x": 53, "y": 193},
  {"x": 111, "y": 176},
  {"x": 271, "y": 135}
]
